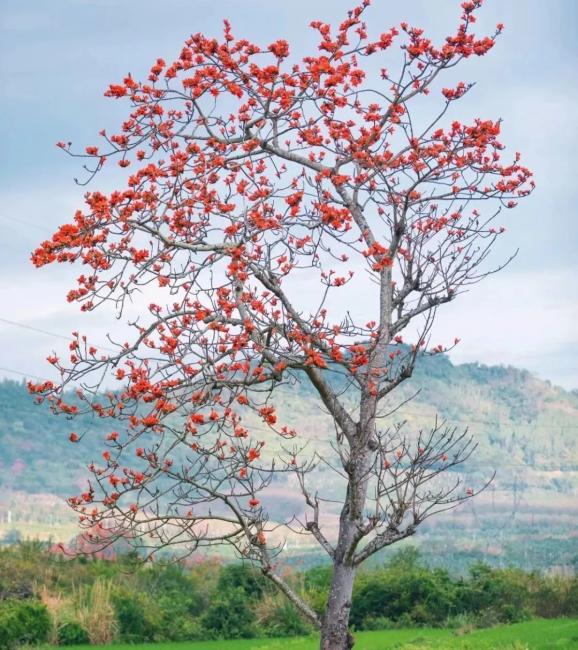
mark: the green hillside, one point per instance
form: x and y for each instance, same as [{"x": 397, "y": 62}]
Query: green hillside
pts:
[{"x": 526, "y": 429}]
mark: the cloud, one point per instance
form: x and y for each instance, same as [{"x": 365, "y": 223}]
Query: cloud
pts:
[{"x": 526, "y": 319}]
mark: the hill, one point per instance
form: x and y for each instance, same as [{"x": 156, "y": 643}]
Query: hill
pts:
[{"x": 526, "y": 429}]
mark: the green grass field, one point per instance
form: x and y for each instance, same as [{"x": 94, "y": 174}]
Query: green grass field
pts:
[{"x": 555, "y": 634}]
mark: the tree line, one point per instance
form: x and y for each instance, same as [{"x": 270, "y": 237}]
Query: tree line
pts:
[{"x": 49, "y": 598}]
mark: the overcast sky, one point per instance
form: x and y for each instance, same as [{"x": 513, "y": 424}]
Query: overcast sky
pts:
[{"x": 58, "y": 57}]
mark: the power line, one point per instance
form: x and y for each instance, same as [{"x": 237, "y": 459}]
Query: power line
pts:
[
  {"x": 469, "y": 421},
  {"x": 35, "y": 329},
  {"x": 41, "y": 331},
  {"x": 22, "y": 222},
  {"x": 22, "y": 374}
]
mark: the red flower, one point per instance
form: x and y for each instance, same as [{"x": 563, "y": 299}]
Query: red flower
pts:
[{"x": 280, "y": 49}]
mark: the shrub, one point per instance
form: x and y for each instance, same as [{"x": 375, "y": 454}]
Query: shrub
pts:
[
  {"x": 244, "y": 577},
  {"x": 572, "y": 598},
  {"x": 17, "y": 573},
  {"x": 171, "y": 600},
  {"x": 23, "y": 622},
  {"x": 72, "y": 633},
  {"x": 317, "y": 581},
  {"x": 276, "y": 616},
  {"x": 404, "y": 590},
  {"x": 134, "y": 614},
  {"x": 230, "y": 616},
  {"x": 498, "y": 595}
]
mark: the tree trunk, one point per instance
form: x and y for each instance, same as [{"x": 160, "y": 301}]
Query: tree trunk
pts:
[{"x": 335, "y": 634}]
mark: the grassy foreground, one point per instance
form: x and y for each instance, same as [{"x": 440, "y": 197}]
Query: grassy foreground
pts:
[{"x": 552, "y": 634}]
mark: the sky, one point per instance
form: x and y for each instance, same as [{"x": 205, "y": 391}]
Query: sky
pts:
[{"x": 57, "y": 58}]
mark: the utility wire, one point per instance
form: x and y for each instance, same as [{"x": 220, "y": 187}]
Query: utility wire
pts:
[
  {"x": 41, "y": 331},
  {"x": 35, "y": 329},
  {"x": 400, "y": 412},
  {"x": 22, "y": 374},
  {"x": 22, "y": 222}
]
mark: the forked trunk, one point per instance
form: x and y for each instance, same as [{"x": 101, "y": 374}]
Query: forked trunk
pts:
[{"x": 335, "y": 634}]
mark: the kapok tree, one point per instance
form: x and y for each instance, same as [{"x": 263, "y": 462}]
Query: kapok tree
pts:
[{"x": 248, "y": 176}]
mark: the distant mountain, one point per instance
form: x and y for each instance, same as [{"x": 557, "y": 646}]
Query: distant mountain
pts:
[{"x": 527, "y": 430}]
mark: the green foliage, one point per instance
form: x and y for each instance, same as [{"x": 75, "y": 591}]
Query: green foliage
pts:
[
  {"x": 404, "y": 590},
  {"x": 17, "y": 572},
  {"x": 23, "y": 622},
  {"x": 163, "y": 602},
  {"x": 501, "y": 595},
  {"x": 137, "y": 616},
  {"x": 244, "y": 577},
  {"x": 229, "y": 616},
  {"x": 285, "y": 620},
  {"x": 177, "y": 596},
  {"x": 404, "y": 593},
  {"x": 72, "y": 633},
  {"x": 317, "y": 581}
]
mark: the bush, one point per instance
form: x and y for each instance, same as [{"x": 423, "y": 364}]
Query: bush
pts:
[
  {"x": 72, "y": 633},
  {"x": 498, "y": 595},
  {"x": 404, "y": 591},
  {"x": 23, "y": 622},
  {"x": 134, "y": 613},
  {"x": 17, "y": 573},
  {"x": 317, "y": 581},
  {"x": 244, "y": 577},
  {"x": 173, "y": 602},
  {"x": 230, "y": 616},
  {"x": 170, "y": 601},
  {"x": 276, "y": 616}
]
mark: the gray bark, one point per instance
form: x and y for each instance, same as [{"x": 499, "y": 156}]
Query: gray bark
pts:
[{"x": 335, "y": 633}]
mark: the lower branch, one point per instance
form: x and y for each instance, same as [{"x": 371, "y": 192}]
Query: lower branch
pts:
[{"x": 299, "y": 603}]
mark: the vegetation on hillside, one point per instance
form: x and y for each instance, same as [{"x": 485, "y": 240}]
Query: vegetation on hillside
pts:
[
  {"x": 519, "y": 422},
  {"x": 525, "y": 428}
]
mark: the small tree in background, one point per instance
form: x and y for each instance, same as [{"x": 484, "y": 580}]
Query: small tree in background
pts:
[{"x": 250, "y": 176}]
